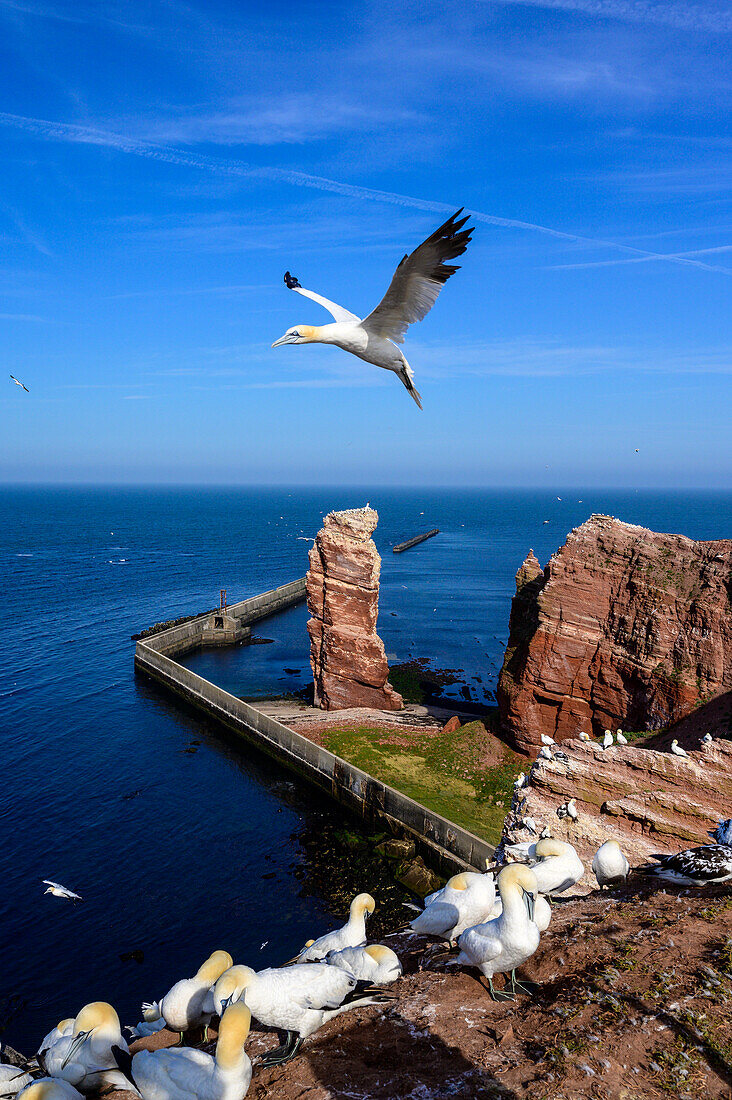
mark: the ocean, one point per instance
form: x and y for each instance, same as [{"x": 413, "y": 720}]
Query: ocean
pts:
[{"x": 179, "y": 852}]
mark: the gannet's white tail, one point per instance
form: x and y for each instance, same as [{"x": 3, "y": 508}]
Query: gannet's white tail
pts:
[
  {"x": 150, "y": 1011},
  {"x": 407, "y": 376}
]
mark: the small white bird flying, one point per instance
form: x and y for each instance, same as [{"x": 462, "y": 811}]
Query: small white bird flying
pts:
[
  {"x": 60, "y": 891},
  {"x": 352, "y": 934},
  {"x": 607, "y": 740},
  {"x": 413, "y": 291},
  {"x": 677, "y": 750},
  {"x": 610, "y": 865},
  {"x": 19, "y": 383}
]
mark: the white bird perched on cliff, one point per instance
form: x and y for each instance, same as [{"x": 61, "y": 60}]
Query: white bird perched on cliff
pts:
[
  {"x": 83, "y": 1054},
  {"x": 703, "y": 866},
  {"x": 707, "y": 739},
  {"x": 50, "y": 1088},
  {"x": 621, "y": 738},
  {"x": 500, "y": 945},
  {"x": 412, "y": 292},
  {"x": 465, "y": 900},
  {"x": 60, "y": 891},
  {"x": 61, "y": 1031},
  {"x": 190, "y": 1074},
  {"x": 558, "y": 867},
  {"x": 542, "y": 912},
  {"x": 723, "y": 832},
  {"x": 545, "y": 753},
  {"x": 13, "y": 1079},
  {"x": 189, "y": 1003},
  {"x": 376, "y": 964},
  {"x": 584, "y": 736},
  {"x": 607, "y": 740},
  {"x": 520, "y": 781},
  {"x": 297, "y": 999},
  {"x": 677, "y": 750},
  {"x": 609, "y": 864},
  {"x": 572, "y": 810},
  {"x": 352, "y": 934},
  {"x": 546, "y": 740}
]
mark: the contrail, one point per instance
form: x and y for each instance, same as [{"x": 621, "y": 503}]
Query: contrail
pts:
[
  {"x": 87, "y": 135},
  {"x": 684, "y": 16},
  {"x": 647, "y": 259}
]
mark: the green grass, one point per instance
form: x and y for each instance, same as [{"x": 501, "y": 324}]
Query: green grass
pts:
[{"x": 445, "y": 772}]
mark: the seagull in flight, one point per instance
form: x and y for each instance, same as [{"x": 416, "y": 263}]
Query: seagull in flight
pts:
[
  {"x": 60, "y": 891},
  {"x": 19, "y": 383},
  {"x": 412, "y": 292}
]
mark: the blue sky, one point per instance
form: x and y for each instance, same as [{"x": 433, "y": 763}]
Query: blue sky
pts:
[{"x": 164, "y": 162}]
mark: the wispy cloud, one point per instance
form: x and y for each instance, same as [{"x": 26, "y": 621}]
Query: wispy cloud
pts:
[
  {"x": 644, "y": 259},
  {"x": 86, "y": 135},
  {"x": 21, "y": 317},
  {"x": 684, "y": 16}
]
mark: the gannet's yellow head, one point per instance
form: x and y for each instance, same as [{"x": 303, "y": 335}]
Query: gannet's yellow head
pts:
[
  {"x": 381, "y": 954},
  {"x": 550, "y": 847},
  {"x": 63, "y": 1024},
  {"x": 214, "y": 967},
  {"x": 458, "y": 882},
  {"x": 230, "y": 987},
  {"x": 233, "y": 1034},
  {"x": 42, "y": 1090},
  {"x": 517, "y": 876},
  {"x": 362, "y": 905},
  {"x": 95, "y": 1015},
  {"x": 298, "y": 334}
]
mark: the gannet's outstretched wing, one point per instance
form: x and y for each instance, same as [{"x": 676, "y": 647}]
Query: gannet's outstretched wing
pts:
[
  {"x": 418, "y": 280},
  {"x": 338, "y": 313}
]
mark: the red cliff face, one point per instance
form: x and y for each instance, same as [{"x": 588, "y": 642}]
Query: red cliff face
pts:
[
  {"x": 624, "y": 627},
  {"x": 346, "y": 654}
]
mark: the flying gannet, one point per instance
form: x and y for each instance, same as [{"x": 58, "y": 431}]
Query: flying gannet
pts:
[
  {"x": 60, "y": 891},
  {"x": 19, "y": 383},
  {"x": 412, "y": 292}
]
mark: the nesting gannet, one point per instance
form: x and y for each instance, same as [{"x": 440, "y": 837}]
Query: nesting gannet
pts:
[
  {"x": 13, "y": 1079},
  {"x": 584, "y": 736},
  {"x": 520, "y": 781},
  {"x": 83, "y": 1056},
  {"x": 296, "y": 999},
  {"x": 189, "y": 1003},
  {"x": 621, "y": 738},
  {"x": 50, "y": 1088},
  {"x": 723, "y": 832},
  {"x": 572, "y": 810},
  {"x": 412, "y": 292},
  {"x": 530, "y": 824},
  {"x": 558, "y": 866},
  {"x": 703, "y": 866},
  {"x": 465, "y": 900},
  {"x": 546, "y": 740},
  {"x": 545, "y": 753},
  {"x": 352, "y": 934},
  {"x": 376, "y": 964},
  {"x": 507, "y": 941},
  {"x": 607, "y": 739},
  {"x": 707, "y": 739},
  {"x": 19, "y": 383},
  {"x": 542, "y": 912},
  {"x": 609, "y": 864},
  {"x": 190, "y": 1074},
  {"x": 677, "y": 750},
  {"x": 60, "y": 891},
  {"x": 60, "y": 1031}
]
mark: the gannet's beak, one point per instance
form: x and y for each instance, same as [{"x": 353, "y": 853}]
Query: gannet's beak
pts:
[
  {"x": 286, "y": 339},
  {"x": 530, "y": 903},
  {"x": 76, "y": 1044}
]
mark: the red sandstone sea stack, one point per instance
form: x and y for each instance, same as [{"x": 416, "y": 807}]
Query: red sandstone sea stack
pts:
[
  {"x": 624, "y": 627},
  {"x": 346, "y": 654}
]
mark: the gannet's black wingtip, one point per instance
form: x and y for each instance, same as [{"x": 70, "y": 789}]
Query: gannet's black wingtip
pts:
[{"x": 290, "y": 281}]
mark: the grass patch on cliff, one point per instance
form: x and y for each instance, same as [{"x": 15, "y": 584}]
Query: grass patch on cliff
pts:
[{"x": 466, "y": 776}]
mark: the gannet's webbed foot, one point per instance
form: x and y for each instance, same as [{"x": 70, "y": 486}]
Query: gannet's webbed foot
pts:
[
  {"x": 529, "y": 988},
  {"x": 499, "y": 994},
  {"x": 284, "y": 1053}
]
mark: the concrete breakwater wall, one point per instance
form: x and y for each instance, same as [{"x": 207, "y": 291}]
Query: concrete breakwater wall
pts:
[{"x": 444, "y": 844}]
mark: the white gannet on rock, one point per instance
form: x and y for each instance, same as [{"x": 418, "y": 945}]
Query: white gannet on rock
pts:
[
  {"x": 546, "y": 740},
  {"x": 723, "y": 832},
  {"x": 609, "y": 864},
  {"x": 50, "y": 1088},
  {"x": 607, "y": 739},
  {"x": 412, "y": 292},
  {"x": 703, "y": 866},
  {"x": 465, "y": 900},
  {"x": 707, "y": 739},
  {"x": 677, "y": 750},
  {"x": 189, "y": 1074},
  {"x": 189, "y": 1003},
  {"x": 500, "y": 945},
  {"x": 63, "y": 1029},
  {"x": 352, "y": 934},
  {"x": 13, "y": 1079},
  {"x": 572, "y": 812},
  {"x": 520, "y": 781},
  {"x": 296, "y": 999},
  {"x": 545, "y": 753},
  {"x": 60, "y": 891},
  {"x": 558, "y": 866},
  {"x": 83, "y": 1056},
  {"x": 621, "y": 738},
  {"x": 542, "y": 912},
  {"x": 584, "y": 736},
  {"x": 376, "y": 964}
]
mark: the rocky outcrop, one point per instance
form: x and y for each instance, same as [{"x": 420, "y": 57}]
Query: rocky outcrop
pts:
[
  {"x": 346, "y": 654},
  {"x": 648, "y": 801},
  {"x": 624, "y": 627}
]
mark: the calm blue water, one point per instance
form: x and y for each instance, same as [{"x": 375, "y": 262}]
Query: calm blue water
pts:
[{"x": 180, "y": 853}]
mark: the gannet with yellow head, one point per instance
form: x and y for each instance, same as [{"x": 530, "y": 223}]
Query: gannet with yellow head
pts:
[
  {"x": 558, "y": 866},
  {"x": 83, "y": 1055},
  {"x": 352, "y": 934},
  {"x": 189, "y": 1074},
  {"x": 466, "y": 899},
  {"x": 51, "y": 1088},
  {"x": 189, "y": 1003},
  {"x": 376, "y": 963},
  {"x": 507, "y": 941},
  {"x": 296, "y": 999},
  {"x": 413, "y": 291}
]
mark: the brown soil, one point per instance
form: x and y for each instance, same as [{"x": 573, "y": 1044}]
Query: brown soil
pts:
[{"x": 633, "y": 1004}]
